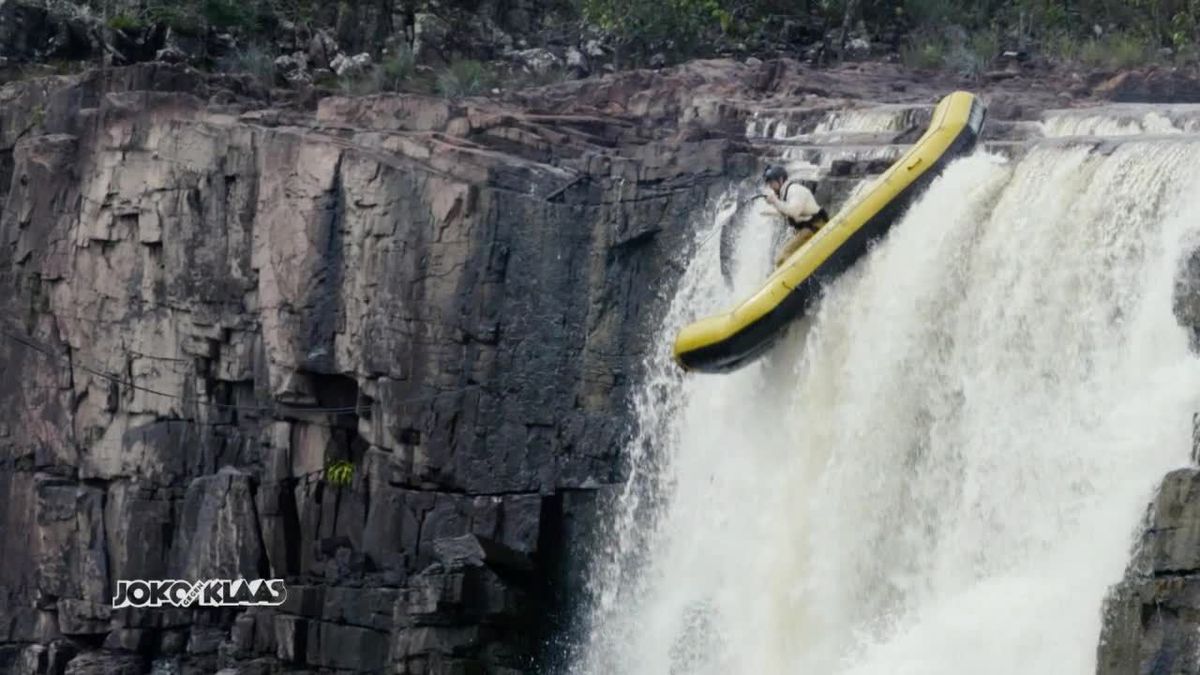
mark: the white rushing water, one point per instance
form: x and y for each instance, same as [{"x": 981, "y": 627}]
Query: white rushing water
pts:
[
  {"x": 1079, "y": 123},
  {"x": 841, "y": 125},
  {"x": 874, "y": 119},
  {"x": 1132, "y": 119},
  {"x": 941, "y": 470}
]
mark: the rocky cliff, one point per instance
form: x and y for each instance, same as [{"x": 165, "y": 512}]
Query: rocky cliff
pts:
[
  {"x": 206, "y": 303},
  {"x": 208, "y": 298}
]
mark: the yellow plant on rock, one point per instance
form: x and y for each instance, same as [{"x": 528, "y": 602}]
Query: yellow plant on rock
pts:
[{"x": 339, "y": 472}]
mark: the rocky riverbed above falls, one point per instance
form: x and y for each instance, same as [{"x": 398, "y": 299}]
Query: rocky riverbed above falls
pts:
[{"x": 454, "y": 296}]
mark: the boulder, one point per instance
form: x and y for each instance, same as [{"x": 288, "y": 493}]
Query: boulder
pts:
[
  {"x": 537, "y": 60},
  {"x": 350, "y": 66},
  {"x": 577, "y": 61},
  {"x": 429, "y": 35},
  {"x": 1151, "y": 618},
  {"x": 293, "y": 68},
  {"x": 1152, "y": 85},
  {"x": 322, "y": 49},
  {"x": 180, "y": 48}
]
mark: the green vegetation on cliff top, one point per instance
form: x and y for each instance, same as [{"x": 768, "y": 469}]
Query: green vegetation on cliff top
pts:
[{"x": 943, "y": 34}]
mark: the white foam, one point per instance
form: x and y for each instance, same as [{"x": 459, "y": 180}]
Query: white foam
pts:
[{"x": 941, "y": 471}]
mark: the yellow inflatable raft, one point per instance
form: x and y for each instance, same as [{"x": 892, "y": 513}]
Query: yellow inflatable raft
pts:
[{"x": 728, "y": 341}]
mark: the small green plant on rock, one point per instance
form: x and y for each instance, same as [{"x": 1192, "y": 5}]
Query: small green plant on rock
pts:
[{"x": 339, "y": 473}]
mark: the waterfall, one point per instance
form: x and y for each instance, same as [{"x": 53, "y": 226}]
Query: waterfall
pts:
[{"x": 943, "y": 467}]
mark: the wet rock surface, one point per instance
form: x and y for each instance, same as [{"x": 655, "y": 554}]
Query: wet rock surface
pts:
[{"x": 1152, "y": 622}]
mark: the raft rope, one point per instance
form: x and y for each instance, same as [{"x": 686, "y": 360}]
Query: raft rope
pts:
[{"x": 719, "y": 227}]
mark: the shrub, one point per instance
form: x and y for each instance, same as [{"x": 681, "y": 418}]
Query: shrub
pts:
[
  {"x": 125, "y": 22},
  {"x": 935, "y": 12},
  {"x": 1062, "y": 47},
  {"x": 968, "y": 55},
  {"x": 1110, "y": 51},
  {"x": 1126, "y": 51},
  {"x": 180, "y": 18},
  {"x": 228, "y": 14},
  {"x": 394, "y": 71},
  {"x": 640, "y": 28},
  {"x": 1092, "y": 53},
  {"x": 926, "y": 54},
  {"x": 192, "y": 17},
  {"x": 963, "y": 61},
  {"x": 973, "y": 57},
  {"x": 255, "y": 60},
  {"x": 465, "y": 77},
  {"x": 985, "y": 45}
]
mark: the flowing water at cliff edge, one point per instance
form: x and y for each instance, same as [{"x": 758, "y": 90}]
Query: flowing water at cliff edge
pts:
[{"x": 942, "y": 469}]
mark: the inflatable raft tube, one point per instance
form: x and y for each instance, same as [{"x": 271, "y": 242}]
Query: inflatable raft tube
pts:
[{"x": 728, "y": 341}]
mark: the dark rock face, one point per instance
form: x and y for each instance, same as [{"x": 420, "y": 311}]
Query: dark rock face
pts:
[
  {"x": 1186, "y": 300},
  {"x": 1155, "y": 85},
  {"x": 1151, "y": 619},
  {"x": 31, "y": 32},
  {"x": 453, "y": 297}
]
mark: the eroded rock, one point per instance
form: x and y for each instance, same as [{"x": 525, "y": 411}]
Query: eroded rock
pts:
[{"x": 1151, "y": 624}]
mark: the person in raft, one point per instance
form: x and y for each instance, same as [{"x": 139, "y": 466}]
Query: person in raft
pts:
[{"x": 796, "y": 204}]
